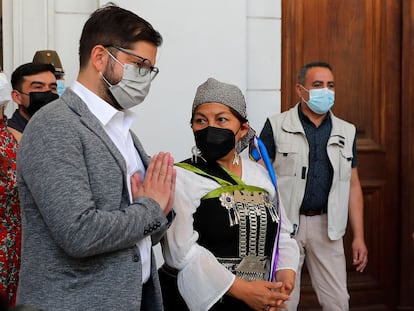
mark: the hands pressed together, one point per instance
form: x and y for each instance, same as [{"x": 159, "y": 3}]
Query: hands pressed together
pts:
[{"x": 159, "y": 181}]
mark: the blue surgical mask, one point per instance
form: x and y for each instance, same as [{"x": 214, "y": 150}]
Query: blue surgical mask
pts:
[
  {"x": 60, "y": 86},
  {"x": 320, "y": 100}
]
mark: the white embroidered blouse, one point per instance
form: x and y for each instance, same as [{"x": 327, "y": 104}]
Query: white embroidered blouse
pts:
[{"x": 202, "y": 280}]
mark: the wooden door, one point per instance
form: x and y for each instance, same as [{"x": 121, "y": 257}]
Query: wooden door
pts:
[
  {"x": 361, "y": 39},
  {"x": 407, "y": 160}
]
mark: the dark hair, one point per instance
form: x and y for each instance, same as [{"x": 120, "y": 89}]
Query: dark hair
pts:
[
  {"x": 28, "y": 69},
  {"x": 238, "y": 116},
  {"x": 114, "y": 26},
  {"x": 304, "y": 70}
]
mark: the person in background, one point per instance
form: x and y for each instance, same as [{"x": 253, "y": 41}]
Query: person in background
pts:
[
  {"x": 34, "y": 85},
  {"x": 314, "y": 157},
  {"x": 52, "y": 57},
  {"x": 10, "y": 217},
  {"x": 93, "y": 202},
  {"x": 222, "y": 248}
]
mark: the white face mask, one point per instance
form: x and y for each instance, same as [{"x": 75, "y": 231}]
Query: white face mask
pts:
[
  {"x": 133, "y": 87},
  {"x": 5, "y": 90}
]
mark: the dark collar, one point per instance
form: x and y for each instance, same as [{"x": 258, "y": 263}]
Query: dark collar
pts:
[
  {"x": 304, "y": 118},
  {"x": 17, "y": 121}
]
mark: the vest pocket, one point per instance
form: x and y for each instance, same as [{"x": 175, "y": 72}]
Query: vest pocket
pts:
[
  {"x": 285, "y": 159},
  {"x": 345, "y": 165}
]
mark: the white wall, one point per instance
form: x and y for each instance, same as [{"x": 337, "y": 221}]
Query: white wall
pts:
[
  {"x": 201, "y": 39},
  {"x": 264, "y": 33},
  {"x": 236, "y": 41}
]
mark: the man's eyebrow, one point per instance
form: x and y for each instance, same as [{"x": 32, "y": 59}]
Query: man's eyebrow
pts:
[
  {"x": 321, "y": 82},
  {"x": 37, "y": 82}
]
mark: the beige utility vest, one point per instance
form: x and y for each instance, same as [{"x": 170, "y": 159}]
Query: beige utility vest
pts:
[{"x": 292, "y": 164}]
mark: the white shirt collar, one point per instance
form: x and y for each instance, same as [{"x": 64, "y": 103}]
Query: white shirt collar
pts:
[{"x": 102, "y": 110}]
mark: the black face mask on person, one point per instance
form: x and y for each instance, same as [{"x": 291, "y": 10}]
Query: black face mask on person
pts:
[
  {"x": 40, "y": 99},
  {"x": 214, "y": 142}
]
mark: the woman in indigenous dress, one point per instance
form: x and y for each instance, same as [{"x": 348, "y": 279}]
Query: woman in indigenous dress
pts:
[
  {"x": 227, "y": 248},
  {"x": 10, "y": 221}
]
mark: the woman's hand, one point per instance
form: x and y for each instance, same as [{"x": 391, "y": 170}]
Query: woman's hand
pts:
[
  {"x": 259, "y": 295},
  {"x": 287, "y": 277}
]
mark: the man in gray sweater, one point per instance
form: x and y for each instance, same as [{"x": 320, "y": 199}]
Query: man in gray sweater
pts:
[{"x": 93, "y": 202}]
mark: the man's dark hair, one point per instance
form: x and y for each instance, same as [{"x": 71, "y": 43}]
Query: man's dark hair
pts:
[
  {"x": 304, "y": 70},
  {"x": 114, "y": 26},
  {"x": 28, "y": 69}
]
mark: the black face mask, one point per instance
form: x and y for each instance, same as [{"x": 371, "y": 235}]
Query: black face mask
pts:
[
  {"x": 40, "y": 99},
  {"x": 214, "y": 142}
]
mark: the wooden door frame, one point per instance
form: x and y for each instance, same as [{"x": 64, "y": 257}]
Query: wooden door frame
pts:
[{"x": 407, "y": 159}]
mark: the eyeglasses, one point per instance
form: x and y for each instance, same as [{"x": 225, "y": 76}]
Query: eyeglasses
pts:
[{"x": 144, "y": 65}]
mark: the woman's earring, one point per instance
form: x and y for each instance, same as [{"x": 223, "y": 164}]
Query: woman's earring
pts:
[
  {"x": 196, "y": 154},
  {"x": 236, "y": 153},
  {"x": 236, "y": 158}
]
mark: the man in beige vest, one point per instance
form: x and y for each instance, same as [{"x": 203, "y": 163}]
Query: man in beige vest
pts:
[{"x": 314, "y": 156}]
